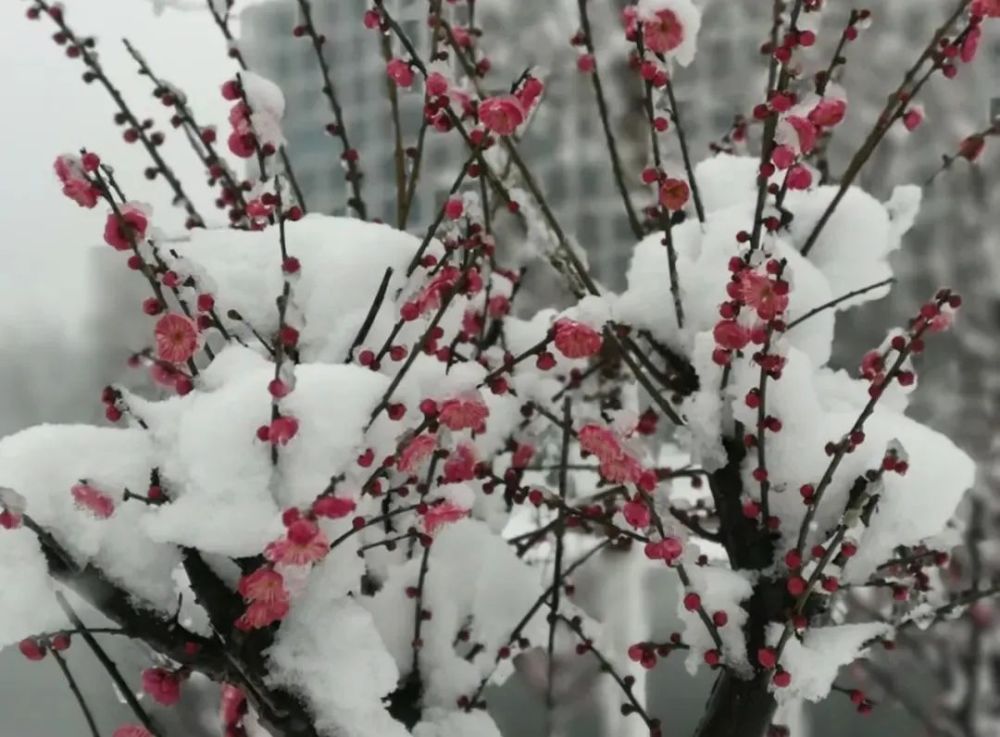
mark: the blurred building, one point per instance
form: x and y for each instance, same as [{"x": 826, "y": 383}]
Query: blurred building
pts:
[{"x": 575, "y": 172}]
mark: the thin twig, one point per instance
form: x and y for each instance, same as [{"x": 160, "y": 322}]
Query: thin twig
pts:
[
  {"x": 348, "y": 154},
  {"x": 609, "y": 136},
  {"x": 675, "y": 116},
  {"x": 109, "y": 666},
  {"x": 894, "y": 109},
  {"x": 71, "y": 682},
  {"x": 376, "y": 305},
  {"x": 90, "y": 59},
  {"x": 560, "y": 531},
  {"x": 842, "y": 298},
  {"x": 222, "y": 22}
]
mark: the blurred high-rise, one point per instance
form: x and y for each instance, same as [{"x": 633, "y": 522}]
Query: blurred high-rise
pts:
[{"x": 564, "y": 142}]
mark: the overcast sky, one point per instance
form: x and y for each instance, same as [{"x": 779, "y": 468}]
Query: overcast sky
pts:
[
  {"x": 69, "y": 308},
  {"x": 48, "y": 110}
]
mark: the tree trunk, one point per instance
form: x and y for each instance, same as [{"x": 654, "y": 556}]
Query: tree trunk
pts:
[{"x": 737, "y": 708}]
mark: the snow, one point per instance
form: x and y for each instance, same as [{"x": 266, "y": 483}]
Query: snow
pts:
[
  {"x": 918, "y": 505},
  {"x": 814, "y": 661},
  {"x": 912, "y": 507},
  {"x": 218, "y": 472},
  {"x": 267, "y": 105},
  {"x": 703, "y": 410},
  {"x": 721, "y": 590},
  {"x": 725, "y": 180},
  {"x": 27, "y": 604},
  {"x": 472, "y": 576},
  {"x": 343, "y": 263},
  {"x": 853, "y": 249},
  {"x": 703, "y": 254},
  {"x": 44, "y": 462},
  {"x": 614, "y": 589},
  {"x": 689, "y": 18},
  {"x": 329, "y": 650}
]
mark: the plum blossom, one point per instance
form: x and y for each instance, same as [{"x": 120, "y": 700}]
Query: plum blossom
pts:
[
  {"x": 502, "y": 114},
  {"x": 416, "y": 452},
  {"x": 232, "y": 704},
  {"x": 599, "y": 440},
  {"x": 461, "y": 464},
  {"x": 575, "y": 340},
  {"x": 669, "y": 28},
  {"x": 668, "y": 549},
  {"x": 805, "y": 132},
  {"x": 730, "y": 335},
  {"x": 767, "y": 296},
  {"x": 529, "y": 93},
  {"x": 783, "y": 156},
  {"x": 95, "y": 501},
  {"x": 399, "y": 72},
  {"x": 71, "y": 173},
  {"x": 164, "y": 374},
  {"x": 616, "y": 463},
  {"x": 261, "y": 614},
  {"x": 350, "y": 472},
  {"x": 443, "y": 513},
  {"x": 163, "y": 685},
  {"x": 674, "y": 194},
  {"x": 828, "y": 112},
  {"x": 799, "y": 177},
  {"x": 12, "y": 507},
  {"x": 257, "y": 119},
  {"x": 264, "y": 591},
  {"x": 636, "y": 514},
  {"x": 522, "y": 455},
  {"x": 10, "y": 520},
  {"x": 122, "y": 233},
  {"x": 304, "y": 543},
  {"x": 264, "y": 585},
  {"x": 663, "y": 32},
  {"x": 333, "y": 507},
  {"x": 430, "y": 296},
  {"x": 913, "y": 117},
  {"x": 972, "y": 147},
  {"x": 630, "y": 20},
  {"x": 282, "y": 429},
  {"x": 437, "y": 84},
  {"x": 258, "y": 210},
  {"x": 176, "y": 338},
  {"x": 32, "y": 649},
  {"x": 986, "y": 8},
  {"x": 468, "y": 412}
]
